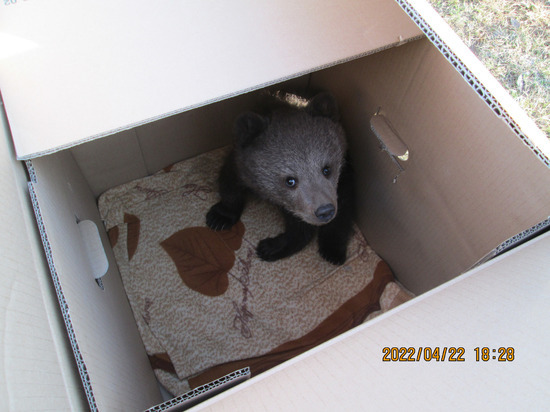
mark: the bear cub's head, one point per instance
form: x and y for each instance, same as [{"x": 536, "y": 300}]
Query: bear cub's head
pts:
[{"x": 293, "y": 155}]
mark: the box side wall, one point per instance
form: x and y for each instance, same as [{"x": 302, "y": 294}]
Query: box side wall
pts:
[
  {"x": 36, "y": 372},
  {"x": 112, "y": 360},
  {"x": 143, "y": 150},
  {"x": 469, "y": 184}
]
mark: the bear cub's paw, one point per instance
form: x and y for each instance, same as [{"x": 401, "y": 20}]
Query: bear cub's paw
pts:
[
  {"x": 333, "y": 252},
  {"x": 220, "y": 218},
  {"x": 272, "y": 248}
]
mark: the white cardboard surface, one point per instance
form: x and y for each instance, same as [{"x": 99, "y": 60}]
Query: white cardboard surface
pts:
[
  {"x": 504, "y": 303},
  {"x": 100, "y": 67},
  {"x": 35, "y": 372}
]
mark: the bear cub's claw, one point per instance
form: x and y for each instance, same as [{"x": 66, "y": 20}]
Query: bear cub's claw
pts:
[{"x": 219, "y": 218}]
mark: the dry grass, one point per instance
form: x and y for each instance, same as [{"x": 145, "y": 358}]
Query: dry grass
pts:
[{"x": 512, "y": 38}]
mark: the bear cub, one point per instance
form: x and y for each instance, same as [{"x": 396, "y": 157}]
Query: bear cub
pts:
[{"x": 294, "y": 157}]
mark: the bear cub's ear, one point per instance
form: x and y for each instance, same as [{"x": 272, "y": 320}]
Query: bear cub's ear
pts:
[
  {"x": 323, "y": 104},
  {"x": 248, "y": 126}
]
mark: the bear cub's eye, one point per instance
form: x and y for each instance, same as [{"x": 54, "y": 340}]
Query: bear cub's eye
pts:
[
  {"x": 291, "y": 181},
  {"x": 326, "y": 171}
]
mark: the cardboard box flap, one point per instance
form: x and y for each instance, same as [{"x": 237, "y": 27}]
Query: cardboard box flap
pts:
[
  {"x": 502, "y": 304},
  {"x": 74, "y": 72}
]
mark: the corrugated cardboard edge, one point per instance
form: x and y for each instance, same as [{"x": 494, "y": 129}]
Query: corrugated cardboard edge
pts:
[
  {"x": 81, "y": 365},
  {"x": 203, "y": 392},
  {"x": 523, "y": 236},
  {"x": 425, "y": 18},
  {"x": 34, "y": 341},
  {"x": 516, "y": 240}
]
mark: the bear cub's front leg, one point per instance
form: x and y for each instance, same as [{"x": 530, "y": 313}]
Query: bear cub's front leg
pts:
[
  {"x": 296, "y": 236},
  {"x": 224, "y": 214}
]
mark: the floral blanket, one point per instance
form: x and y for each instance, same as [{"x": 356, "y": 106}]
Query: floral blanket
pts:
[{"x": 205, "y": 305}]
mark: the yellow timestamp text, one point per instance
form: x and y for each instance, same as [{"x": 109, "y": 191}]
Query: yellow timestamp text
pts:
[{"x": 445, "y": 354}]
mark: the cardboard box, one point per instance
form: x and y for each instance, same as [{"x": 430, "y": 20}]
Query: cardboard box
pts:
[{"x": 450, "y": 174}]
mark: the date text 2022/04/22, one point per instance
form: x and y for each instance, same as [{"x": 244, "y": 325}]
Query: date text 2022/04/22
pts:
[{"x": 446, "y": 353}]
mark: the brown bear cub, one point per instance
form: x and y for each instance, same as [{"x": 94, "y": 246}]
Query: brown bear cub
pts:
[{"x": 295, "y": 157}]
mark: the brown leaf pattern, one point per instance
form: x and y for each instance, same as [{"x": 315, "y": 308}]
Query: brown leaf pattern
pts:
[
  {"x": 133, "y": 224},
  {"x": 113, "y": 236},
  {"x": 161, "y": 361},
  {"x": 203, "y": 257}
]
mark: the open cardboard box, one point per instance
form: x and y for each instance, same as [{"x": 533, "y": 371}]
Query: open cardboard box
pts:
[{"x": 100, "y": 94}]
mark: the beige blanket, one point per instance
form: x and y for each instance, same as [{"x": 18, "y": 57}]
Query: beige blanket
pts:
[{"x": 204, "y": 303}]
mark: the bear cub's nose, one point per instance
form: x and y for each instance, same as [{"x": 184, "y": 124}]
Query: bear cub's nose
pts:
[{"x": 325, "y": 213}]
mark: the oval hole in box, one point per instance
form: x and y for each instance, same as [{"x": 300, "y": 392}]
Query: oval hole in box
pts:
[
  {"x": 93, "y": 248},
  {"x": 388, "y": 137}
]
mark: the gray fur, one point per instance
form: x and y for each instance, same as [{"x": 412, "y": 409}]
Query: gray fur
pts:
[
  {"x": 296, "y": 143},
  {"x": 299, "y": 139}
]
